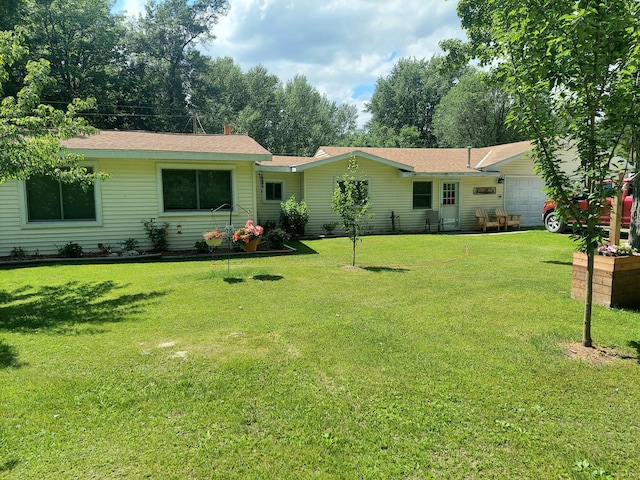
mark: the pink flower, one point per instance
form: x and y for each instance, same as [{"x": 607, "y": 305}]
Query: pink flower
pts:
[{"x": 248, "y": 232}]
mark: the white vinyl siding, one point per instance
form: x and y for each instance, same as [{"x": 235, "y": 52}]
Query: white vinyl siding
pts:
[
  {"x": 270, "y": 210},
  {"x": 388, "y": 192},
  {"x": 131, "y": 195},
  {"x": 471, "y": 201}
]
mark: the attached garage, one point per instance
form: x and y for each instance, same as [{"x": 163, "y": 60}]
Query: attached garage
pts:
[{"x": 524, "y": 195}]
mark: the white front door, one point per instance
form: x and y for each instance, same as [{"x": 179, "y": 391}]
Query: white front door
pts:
[{"x": 450, "y": 206}]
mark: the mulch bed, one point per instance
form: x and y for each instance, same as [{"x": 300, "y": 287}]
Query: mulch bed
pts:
[{"x": 170, "y": 255}]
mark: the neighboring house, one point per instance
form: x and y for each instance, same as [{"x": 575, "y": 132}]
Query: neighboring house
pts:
[
  {"x": 407, "y": 182},
  {"x": 172, "y": 178}
]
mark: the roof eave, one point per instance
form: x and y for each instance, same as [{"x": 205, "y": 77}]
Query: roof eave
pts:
[
  {"x": 169, "y": 155},
  {"x": 474, "y": 173}
]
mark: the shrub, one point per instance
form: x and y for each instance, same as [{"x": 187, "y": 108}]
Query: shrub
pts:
[
  {"x": 105, "y": 248},
  {"x": 19, "y": 253},
  {"x": 268, "y": 224},
  {"x": 157, "y": 234},
  {"x": 201, "y": 246},
  {"x": 71, "y": 250},
  {"x": 329, "y": 227},
  {"x": 294, "y": 216},
  {"x": 129, "y": 244},
  {"x": 275, "y": 238}
]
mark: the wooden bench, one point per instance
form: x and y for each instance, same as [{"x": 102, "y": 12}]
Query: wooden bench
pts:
[
  {"x": 508, "y": 220},
  {"x": 484, "y": 221}
]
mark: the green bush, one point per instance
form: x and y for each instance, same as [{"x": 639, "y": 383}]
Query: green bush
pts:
[
  {"x": 129, "y": 244},
  {"x": 294, "y": 217},
  {"x": 157, "y": 234},
  {"x": 275, "y": 238},
  {"x": 71, "y": 250},
  {"x": 19, "y": 253},
  {"x": 201, "y": 246}
]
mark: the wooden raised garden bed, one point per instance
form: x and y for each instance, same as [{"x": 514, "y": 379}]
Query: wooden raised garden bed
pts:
[{"x": 616, "y": 280}]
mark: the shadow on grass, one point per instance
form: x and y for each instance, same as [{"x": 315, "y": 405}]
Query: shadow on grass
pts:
[
  {"x": 385, "y": 269},
  {"x": 8, "y": 465},
  {"x": 232, "y": 280},
  {"x": 60, "y": 307},
  {"x": 635, "y": 345},
  {"x": 8, "y": 357},
  {"x": 301, "y": 248},
  {"x": 268, "y": 278},
  {"x": 557, "y": 262}
]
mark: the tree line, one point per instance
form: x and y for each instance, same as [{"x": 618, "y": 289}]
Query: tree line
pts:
[{"x": 148, "y": 73}]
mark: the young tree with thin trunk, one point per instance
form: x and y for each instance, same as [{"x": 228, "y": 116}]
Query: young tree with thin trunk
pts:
[
  {"x": 572, "y": 67},
  {"x": 351, "y": 202}
]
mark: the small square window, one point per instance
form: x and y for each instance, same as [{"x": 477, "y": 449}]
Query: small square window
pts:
[{"x": 273, "y": 191}]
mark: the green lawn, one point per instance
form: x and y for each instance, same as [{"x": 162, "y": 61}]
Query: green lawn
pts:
[{"x": 425, "y": 362}]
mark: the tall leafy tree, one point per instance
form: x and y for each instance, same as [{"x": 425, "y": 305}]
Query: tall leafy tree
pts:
[
  {"x": 31, "y": 131},
  {"x": 307, "y": 119},
  {"x": 409, "y": 95},
  {"x": 572, "y": 67},
  {"x": 474, "y": 112},
  {"x": 219, "y": 93},
  {"x": 11, "y": 12},
  {"x": 83, "y": 42},
  {"x": 162, "y": 54},
  {"x": 261, "y": 116}
]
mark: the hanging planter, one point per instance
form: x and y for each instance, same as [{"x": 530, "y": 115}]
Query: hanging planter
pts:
[
  {"x": 213, "y": 238},
  {"x": 615, "y": 280},
  {"x": 213, "y": 242}
]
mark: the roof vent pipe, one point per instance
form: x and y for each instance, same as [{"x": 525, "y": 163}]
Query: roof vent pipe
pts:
[{"x": 469, "y": 157}]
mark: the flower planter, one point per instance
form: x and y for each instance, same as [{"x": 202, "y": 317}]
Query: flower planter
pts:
[
  {"x": 213, "y": 242},
  {"x": 251, "y": 245},
  {"x": 616, "y": 280}
]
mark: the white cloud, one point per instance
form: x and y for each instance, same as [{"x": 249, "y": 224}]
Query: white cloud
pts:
[{"x": 341, "y": 47}]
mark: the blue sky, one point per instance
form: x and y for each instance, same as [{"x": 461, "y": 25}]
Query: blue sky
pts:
[{"x": 341, "y": 46}]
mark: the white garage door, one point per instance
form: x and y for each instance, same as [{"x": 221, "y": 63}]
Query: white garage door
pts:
[{"x": 524, "y": 195}]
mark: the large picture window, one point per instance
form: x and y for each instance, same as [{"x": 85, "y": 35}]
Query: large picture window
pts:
[
  {"x": 195, "y": 189},
  {"x": 50, "y": 200},
  {"x": 422, "y": 195}
]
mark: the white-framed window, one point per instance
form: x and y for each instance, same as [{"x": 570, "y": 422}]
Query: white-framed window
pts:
[
  {"x": 422, "y": 195},
  {"x": 274, "y": 191},
  {"x": 48, "y": 200},
  {"x": 186, "y": 188}
]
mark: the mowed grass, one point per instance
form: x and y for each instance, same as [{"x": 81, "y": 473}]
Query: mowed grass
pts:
[{"x": 439, "y": 357}]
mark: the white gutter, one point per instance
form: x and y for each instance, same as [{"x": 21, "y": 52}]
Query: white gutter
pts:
[{"x": 483, "y": 159}]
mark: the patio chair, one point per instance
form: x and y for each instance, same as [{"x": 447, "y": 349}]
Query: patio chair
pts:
[
  {"x": 507, "y": 219},
  {"x": 484, "y": 220},
  {"x": 432, "y": 221}
]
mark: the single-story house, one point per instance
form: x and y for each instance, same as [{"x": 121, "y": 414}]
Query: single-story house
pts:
[
  {"x": 171, "y": 178},
  {"x": 181, "y": 178},
  {"x": 407, "y": 185}
]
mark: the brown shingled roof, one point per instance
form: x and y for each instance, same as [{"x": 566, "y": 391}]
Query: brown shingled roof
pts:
[
  {"x": 168, "y": 142},
  {"x": 435, "y": 160},
  {"x": 419, "y": 160}
]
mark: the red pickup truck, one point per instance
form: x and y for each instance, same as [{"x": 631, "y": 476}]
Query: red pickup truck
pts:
[{"x": 554, "y": 224}]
